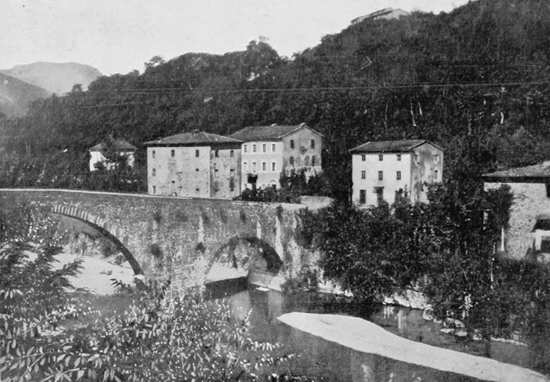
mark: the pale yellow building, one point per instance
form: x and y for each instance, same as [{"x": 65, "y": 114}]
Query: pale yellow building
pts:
[
  {"x": 387, "y": 170},
  {"x": 270, "y": 151},
  {"x": 194, "y": 164}
]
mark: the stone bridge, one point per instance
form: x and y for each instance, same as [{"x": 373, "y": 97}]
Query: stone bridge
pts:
[{"x": 183, "y": 238}]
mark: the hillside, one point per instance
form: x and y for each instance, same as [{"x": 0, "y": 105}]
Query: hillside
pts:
[
  {"x": 16, "y": 95},
  {"x": 476, "y": 80},
  {"x": 57, "y": 78}
]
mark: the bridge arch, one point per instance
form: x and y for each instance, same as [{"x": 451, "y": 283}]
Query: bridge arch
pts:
[
  {"x": 102, "y": 227},
  {"x": 273, "y": 262}
]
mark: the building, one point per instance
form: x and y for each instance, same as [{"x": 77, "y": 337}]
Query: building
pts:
[
  {"x": 270, "y": 151},
  {"x": 195, "y": 164},
  {"x": 387, "y": 170},
  {"x": 121, "y": 147},
  {"x": 528, "y": 232}
]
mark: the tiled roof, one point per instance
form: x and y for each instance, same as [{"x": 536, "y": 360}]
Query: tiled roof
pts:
[
  {"x": 266, "y": 133},
  {"x": 117, "y": 144},
  {"x": 404, "y": 145},
  {"x": 192, "y": 139},
  {"x": 535, "y": 173}
]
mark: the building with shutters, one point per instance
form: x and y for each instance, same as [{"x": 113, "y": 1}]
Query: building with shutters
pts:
[
  {"x": 388, "y": 170},
  {"x": 270, "y": 151},
  {"x": 194, "y": 164}
]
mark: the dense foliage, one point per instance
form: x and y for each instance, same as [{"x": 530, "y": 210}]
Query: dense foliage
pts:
[
  {"x": 293, "y": 186},
  {"x": 446, "y": 249},
  {"x": 482, "y": 69},
  {"x": 161, "y": 336}
]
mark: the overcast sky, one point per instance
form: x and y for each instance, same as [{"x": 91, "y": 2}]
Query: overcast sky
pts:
[{"x": 120, "y": 35}]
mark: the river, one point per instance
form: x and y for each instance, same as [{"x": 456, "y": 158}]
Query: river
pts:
[{"x": 332, "y": 362}]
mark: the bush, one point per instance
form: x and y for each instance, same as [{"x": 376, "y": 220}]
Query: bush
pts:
[{"x": 161, "y": 336}]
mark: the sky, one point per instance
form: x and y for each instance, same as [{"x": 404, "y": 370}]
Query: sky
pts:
[{"x": 117, "y": 36}]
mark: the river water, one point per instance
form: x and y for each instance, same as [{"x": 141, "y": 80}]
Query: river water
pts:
[{"x": 332, "y": 362}]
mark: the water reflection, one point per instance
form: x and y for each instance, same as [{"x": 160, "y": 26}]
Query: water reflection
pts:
[{"x": 333, "y": 362}]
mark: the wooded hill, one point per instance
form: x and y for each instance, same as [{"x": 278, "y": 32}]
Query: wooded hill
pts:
[{"x": 475, "y": 80}]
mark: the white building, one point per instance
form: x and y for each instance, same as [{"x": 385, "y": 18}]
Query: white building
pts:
[
  {"x": 120, "y": 147},
  {"x": 269, "y": 151},
  {"x": 387, "y": 170}
]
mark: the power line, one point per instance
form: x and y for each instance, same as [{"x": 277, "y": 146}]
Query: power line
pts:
[{"x": 210, "y": 92}]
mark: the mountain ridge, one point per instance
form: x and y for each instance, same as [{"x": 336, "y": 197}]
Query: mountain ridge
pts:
[
  {"x": 16, "y": 95},
  {"x": 55, "y": 77}
]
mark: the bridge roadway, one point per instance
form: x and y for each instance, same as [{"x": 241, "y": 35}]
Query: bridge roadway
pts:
[{"x": 182, "y": 238}]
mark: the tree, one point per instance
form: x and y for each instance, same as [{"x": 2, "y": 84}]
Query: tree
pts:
[
  {"x": 161, "y": 336},
  {"x": 153, "y": 62}
]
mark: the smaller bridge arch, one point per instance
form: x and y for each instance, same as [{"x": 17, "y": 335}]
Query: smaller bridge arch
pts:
[
  {"x": 272, "y": 260},
  {"x": 102, "y": 227}
]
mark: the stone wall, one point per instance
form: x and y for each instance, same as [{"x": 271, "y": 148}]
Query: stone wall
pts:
[
  {"x": 529, "y": 201},
  {"x": 174, "y": 236}
]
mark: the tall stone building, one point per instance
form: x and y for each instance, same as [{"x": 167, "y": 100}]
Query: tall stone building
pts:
[
  {"x": 528, "y": 231},
  {"x": 388, "y": 170},
  {"x": 269, "y": 151},
  {"x": 195, "y": 164}
]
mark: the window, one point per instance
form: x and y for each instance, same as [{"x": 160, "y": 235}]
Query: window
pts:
[
  {"x": 264, "y": 147},
  {"x": 197, "y": 190},
  {"x": 154, "y": 172},
  {"x": 379, "y": 194},
  {"x": 245, "y": 148},
  {"x": 291, "y": 161},
  {"x": 196, "y": 153},
  {"x": 292, "y": 143},
  {"x": 245, "y": 166},
  {"x": 264, "y": 166},
  {"x": 231, "y": 154},
  {"x": 253, "y": 166},
  {"x": 313, "y": 160},
  {"x": 253, "y": 148},
  {"x": 380, "y": 157},
  {"x": 172, "y": 153},
  {"x": 197, "y": 170},
  {"x": 548, "y": 190},
  {"x": 363, "y": 174},
  {"x": 436, "y": 175},
  {"x": 398, "y": 175},
  {"x": 217, "y": 153},
  {"x": 380, "y": 175},
  {"x": 399, "y": 157},
  {"x": 362, "y": 196},
  {"x": 306, "y": 160},
  {"x": 273, "y": 166},
  {"x": 153, "y": 154},
  {"x": 154, "y": 189},
  {"x": 273, "y": 147},
  {"x": 313, "y": 143},
  {"x": 363, "y": 157}
]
